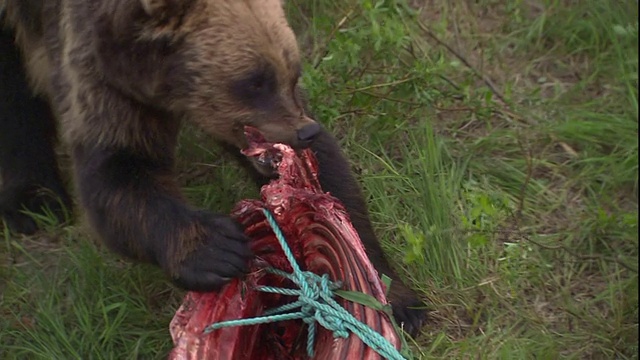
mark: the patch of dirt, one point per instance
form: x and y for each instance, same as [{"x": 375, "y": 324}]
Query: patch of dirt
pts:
[{"x": 40, "y": 247}]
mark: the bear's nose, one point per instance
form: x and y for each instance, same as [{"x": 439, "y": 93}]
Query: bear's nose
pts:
[{"x": 308, "y": 133}]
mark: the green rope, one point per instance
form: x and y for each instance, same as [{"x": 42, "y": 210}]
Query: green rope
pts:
[{"x": 316, "y": 305}]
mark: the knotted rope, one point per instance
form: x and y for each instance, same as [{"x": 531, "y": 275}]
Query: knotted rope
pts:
[{"x": 316, "y": 305}]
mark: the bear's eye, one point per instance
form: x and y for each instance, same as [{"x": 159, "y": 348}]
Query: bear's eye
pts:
[
  {"x": 260, "y": 83},
  {"x": 257, "y": 84},
  {"x": 256, "y": 88}
]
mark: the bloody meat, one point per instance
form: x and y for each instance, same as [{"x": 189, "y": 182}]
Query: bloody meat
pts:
[{"x": 322, "y": 239}]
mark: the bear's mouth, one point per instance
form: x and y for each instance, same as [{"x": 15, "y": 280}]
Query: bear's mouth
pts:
[
  {"x": 266, "y": 166},
  {"x": 263, "y": 156}
]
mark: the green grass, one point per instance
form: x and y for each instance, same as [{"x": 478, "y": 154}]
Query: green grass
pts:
[
  {"x": 497, "y": 142},
  {"x": 85, "y": 305}
]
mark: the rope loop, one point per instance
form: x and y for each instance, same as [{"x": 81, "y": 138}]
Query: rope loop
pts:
[{"x": 315, "y": 304}]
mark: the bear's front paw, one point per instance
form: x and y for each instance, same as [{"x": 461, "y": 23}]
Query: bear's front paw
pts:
[
  {"x": 223, "y": 254},
  {"x": 17, "y": 201},
  {"x": 408, "y": 310}
]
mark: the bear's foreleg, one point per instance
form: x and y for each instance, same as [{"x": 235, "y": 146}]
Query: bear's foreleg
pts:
[
  {"x": 135, "y": 205},
  {"x": 29, "y": 171},
  {"x": 336, "y": 178}
]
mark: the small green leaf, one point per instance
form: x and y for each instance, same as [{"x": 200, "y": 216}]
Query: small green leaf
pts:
[
  {"x": 360, "y": 298},
  {"x": 387, "y": 283},
  {"x": 370, "y": 301},
  {"x": 478, "y": 240}
]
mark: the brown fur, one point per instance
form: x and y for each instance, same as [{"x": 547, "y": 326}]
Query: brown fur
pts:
[
  {"x": 121, "y": 75},
  {"x": 209, "y": 43},
  {"x": 29, "y": 37}
]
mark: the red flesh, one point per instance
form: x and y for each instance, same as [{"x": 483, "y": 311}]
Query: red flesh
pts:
[{"x": 319, "y": 233}]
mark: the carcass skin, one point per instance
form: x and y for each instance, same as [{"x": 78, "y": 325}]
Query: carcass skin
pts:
[{"x": 322, "y": 239}]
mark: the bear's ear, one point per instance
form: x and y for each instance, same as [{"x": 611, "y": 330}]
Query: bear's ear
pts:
[
  {"x": 160, "y": 18},
  {"x": 122, "y": 20},
  {"x": 164, "y": 8},
  {"x": 155, "y": 8}
]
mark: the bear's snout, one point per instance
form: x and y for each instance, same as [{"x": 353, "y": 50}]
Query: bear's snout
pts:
[{"x": 308, "y": 133}]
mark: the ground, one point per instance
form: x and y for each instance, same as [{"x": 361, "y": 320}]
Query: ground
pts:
[{"x": 497, "y": 142}]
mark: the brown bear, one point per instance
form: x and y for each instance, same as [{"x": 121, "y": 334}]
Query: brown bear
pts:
[{"x": 120, "y": 76}]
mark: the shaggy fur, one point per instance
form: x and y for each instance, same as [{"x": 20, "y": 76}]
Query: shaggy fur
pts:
[{"x": 120, "y": 76}]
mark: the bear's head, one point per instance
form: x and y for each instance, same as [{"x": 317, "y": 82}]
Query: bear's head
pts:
[{"x": 221, "y": 64}]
